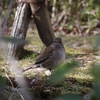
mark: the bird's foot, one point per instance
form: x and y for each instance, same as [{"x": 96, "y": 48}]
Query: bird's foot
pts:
[{"x": 48, "y": 72}]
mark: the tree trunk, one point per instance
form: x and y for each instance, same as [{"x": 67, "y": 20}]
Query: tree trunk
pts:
[
  {"x": 19, "y": 29},
  {"x": 20, "y": 25},
  {"x": 42, "y": 20}
]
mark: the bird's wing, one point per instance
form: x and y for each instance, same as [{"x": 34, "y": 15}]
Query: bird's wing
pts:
[{"x": 47, "y": 53}]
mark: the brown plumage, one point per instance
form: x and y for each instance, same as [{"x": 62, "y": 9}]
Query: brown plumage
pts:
[{"x": 52, "y": 56}]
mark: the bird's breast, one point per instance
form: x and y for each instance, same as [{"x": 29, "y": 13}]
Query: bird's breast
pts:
[{"x": 59, "y": 55}]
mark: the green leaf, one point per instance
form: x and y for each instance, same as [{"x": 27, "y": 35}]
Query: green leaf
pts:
[
  {"x": 69, "y": 97},
  {"x": 70, "y": 27},
  {"x": 96, "y": 86},
  {"x": 98, "y": 41},
  {"x": 96, "y": 72},
  {"x": 2, "y": 83},
  {"x": 59, "y": 73},
  {"x": 96, "y": 2}
]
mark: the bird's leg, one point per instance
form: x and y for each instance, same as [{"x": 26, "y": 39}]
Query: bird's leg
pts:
[
  {"x": 31, "y": 67},
  {"x": 27, "y": 69}
]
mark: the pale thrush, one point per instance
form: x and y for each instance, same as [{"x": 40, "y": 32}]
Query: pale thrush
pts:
[{"x": 51, "y": 57}]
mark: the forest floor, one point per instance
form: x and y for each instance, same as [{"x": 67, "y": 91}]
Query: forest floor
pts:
[{"x": 78, "y": 81}]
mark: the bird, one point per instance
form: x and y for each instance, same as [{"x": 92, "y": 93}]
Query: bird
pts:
[{"x": 51, "y": 57}]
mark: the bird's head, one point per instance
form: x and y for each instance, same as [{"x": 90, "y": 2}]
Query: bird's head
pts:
[{"x": 57, "y": 43}]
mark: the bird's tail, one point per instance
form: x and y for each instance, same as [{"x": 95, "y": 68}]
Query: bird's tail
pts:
[{"x": 31, "y": 67}]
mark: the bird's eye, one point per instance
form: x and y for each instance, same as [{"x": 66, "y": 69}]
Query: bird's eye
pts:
[{"x": 58, "y": 42}]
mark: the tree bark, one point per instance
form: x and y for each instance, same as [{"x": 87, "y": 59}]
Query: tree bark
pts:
[
  {"x": 20, "y": 25},
  {"x": 19, "y": 29},
  {"x": 42, "y": 20}
]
